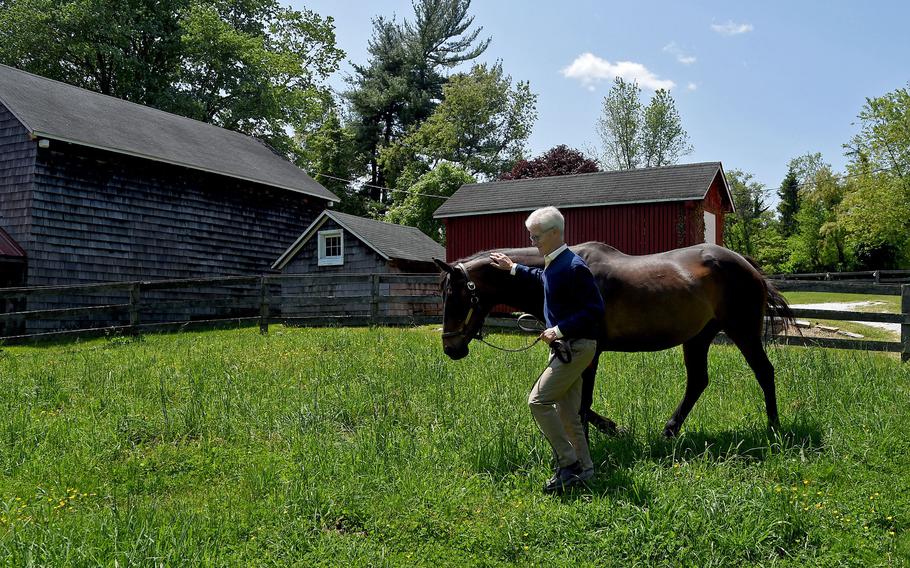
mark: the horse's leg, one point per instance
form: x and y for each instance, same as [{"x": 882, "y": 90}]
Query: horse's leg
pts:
[
  {"x": 695, "y": 353},
  {"x": 588, "y": 416},
  {"x": 752, "y": 349}
]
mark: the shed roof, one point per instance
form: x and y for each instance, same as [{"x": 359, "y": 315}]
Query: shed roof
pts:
[
  {"x": 387, "y": 239},
  {"x": 8, "y": 247},
  {"x": 682, "y": 182},
  {"x": 58, "y": 111}
]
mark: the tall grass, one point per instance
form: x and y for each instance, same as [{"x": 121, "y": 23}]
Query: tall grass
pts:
[{"x": 368, "y": 447}]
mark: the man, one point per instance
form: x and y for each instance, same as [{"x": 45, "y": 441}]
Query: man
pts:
[{"x": 574, "y": 311}]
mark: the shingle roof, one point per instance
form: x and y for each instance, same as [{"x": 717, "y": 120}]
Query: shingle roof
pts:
[
  {"x": 387, "y": 239},
  {"x": 58, "y": 111},
  {"x": 669, "y": 183}
]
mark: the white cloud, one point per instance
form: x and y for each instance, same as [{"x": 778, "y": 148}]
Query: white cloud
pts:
[
  {"x": 731, "y": 28},
  {"x": 691, "y": 86},
  {"x": 590, "y": 69},
  {"x": 681, "y": 56}
]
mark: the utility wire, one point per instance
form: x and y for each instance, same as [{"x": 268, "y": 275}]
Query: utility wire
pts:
[{"x": 408, "y": 191}]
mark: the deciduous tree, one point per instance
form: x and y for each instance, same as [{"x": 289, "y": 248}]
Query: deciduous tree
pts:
[
  {"x": 248, "y": 65},
  {"x": 558, "y": 161},
  {"x": 416, "y": 210}
]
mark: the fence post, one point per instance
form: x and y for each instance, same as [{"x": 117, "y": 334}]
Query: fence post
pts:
[
  {"x": 905, "y": 327},
  {"x": 374, "y": 299},
  {"x": 134, "y": 307},
  {"x": 263, "y": 306}
]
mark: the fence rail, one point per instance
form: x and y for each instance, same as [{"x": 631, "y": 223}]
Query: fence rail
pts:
[
  {"x": 876, "y": 276},
  {"x": 320, "y": 300}
]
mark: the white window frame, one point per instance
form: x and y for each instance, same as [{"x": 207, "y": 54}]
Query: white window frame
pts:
[{"x": 325, "y": 260}]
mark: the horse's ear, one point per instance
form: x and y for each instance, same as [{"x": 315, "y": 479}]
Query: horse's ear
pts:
[{"x": 443, "y": 266}]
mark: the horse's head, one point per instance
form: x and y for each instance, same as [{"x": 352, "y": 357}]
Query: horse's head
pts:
[{"x": 466, "y": 303}]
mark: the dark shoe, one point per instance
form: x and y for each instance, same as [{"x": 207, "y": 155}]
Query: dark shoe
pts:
[{"x": 568, "y": 477}]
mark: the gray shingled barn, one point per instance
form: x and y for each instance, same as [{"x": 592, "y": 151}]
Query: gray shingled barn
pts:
[{"x": 94, "y": 188}]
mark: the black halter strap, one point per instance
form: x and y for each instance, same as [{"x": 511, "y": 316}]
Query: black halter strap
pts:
[{"x": 475, "y": 301}]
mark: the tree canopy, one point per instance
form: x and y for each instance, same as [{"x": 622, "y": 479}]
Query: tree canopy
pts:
[
  {"x": 402, "y": 83},
  {"x": 634, "y": 135},
  {"x": 557, "y": 161},
  {"x": 248, "y": 65}
]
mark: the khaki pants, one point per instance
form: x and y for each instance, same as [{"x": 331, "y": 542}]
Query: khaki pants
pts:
[{"x": 555, "y": 401}]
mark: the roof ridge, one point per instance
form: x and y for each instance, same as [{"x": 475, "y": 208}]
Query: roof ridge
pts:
[
  {"x": 140, "y": 105},
  {"x": 604, "y": 172}
]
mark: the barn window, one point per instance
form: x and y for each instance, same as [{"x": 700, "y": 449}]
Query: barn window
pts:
[{"x": 331, "y": 248}]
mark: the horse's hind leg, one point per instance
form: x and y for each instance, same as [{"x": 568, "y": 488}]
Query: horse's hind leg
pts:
[
  {"x": 695, "y": 352},
  {"x": 588, "y": 416},
  {"x": 754, "y": 352}
]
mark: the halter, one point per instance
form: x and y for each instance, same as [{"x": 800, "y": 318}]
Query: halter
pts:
[
  {"x": 475, "y": 300},
  {"x": 563, "y": 353}
]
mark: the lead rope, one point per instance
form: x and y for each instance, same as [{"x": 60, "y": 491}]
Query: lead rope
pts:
[
  {"x": 538, "y": 327},
  {"x": 560, "y": 348}
]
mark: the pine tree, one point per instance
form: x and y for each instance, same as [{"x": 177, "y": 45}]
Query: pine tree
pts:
[{"x": 789, "y": 203}]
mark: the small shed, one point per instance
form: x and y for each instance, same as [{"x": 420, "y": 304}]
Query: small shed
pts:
[
  {"x": 353, "y": 248},
  {"x": 640, "y": 211}
]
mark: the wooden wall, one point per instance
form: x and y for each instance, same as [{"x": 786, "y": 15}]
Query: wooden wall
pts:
[
  {"x": 358, "y": 257},
  {"x": 634, "y": 229},
  {"x": 17, "y": 168},
  {"x": 98, "y": 216}
]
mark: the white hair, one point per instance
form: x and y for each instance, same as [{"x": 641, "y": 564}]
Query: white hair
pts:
[{"x": 546, "y": 218}]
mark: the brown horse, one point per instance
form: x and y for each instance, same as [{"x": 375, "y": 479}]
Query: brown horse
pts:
[{"x": 653, "y": 302}]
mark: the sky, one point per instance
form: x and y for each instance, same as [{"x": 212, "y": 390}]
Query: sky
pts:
[{"x": 756, "y": 83}]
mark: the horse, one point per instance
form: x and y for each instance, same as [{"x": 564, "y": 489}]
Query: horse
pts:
[{"x": 653, "y": 302}]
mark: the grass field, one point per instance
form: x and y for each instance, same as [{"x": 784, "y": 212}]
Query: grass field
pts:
[{"x": 366, "y": 447}]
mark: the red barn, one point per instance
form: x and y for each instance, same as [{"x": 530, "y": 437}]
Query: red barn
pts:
[{"x": 639, "y": 211}]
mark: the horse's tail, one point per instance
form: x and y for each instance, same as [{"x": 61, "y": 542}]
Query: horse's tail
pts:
[{"x": 778, "y": 311}]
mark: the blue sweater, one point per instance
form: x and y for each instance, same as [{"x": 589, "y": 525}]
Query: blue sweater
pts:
[{"x": 571, "y": 299}]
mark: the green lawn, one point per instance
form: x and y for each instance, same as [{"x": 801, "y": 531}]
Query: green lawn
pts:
[{"x": 366, "y": 447}]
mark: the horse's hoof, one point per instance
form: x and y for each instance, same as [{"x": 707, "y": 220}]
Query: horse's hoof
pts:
[
  {"x": 670, "y": 433},
  {"x": 604, "y": 425}
]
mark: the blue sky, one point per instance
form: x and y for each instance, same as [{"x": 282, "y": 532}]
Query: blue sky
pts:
[{"x": 756, "y": 83}]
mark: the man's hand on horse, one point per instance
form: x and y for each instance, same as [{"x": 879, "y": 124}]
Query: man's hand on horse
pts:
[
  {"x": 549, "y": 335},
  {"x": 501, "y": 261}
]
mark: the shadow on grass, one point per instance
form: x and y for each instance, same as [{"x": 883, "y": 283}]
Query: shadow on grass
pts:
[
  {"x": 749, "y": 444},
  {"x": 617, "y": 455}
]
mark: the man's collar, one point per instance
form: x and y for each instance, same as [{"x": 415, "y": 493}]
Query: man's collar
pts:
[{"x": 552, "y": 256}]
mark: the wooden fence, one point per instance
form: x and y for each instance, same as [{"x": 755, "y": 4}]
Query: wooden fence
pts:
[
  {"x": 319, "y": 300},
  {"x": 872, "y": 276},
  {"x": 133, "y": 307},
  {"x": 902, "y": 318}
]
